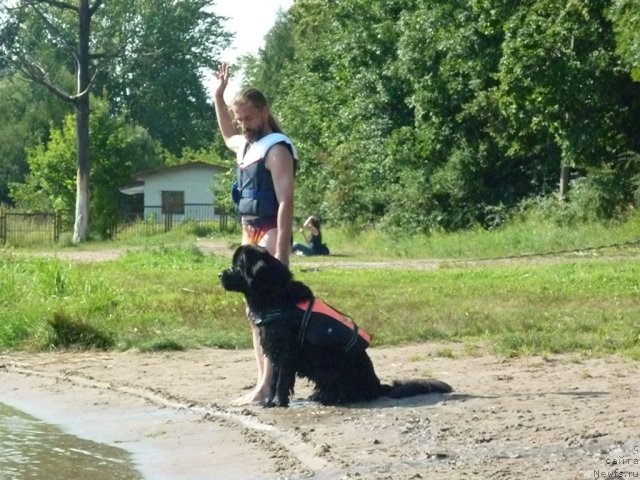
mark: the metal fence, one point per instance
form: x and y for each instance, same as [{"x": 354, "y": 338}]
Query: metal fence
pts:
[
  {"x": 29, "y": 228},
  {"x": 198, "y": 219},
  {"x": 21, "y": 229}
]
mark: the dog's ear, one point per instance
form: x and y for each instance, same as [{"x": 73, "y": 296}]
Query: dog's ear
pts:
[
  {"x": 257, "y": 269},
  {"x": 245, "y": 260},
  {"x": 269, "y": 274}
]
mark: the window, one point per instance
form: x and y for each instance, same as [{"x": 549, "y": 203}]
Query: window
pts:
[{"x": 172, "y": 202}]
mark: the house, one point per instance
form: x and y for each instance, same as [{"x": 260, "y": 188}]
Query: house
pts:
[{"x": 177, "y": 193}]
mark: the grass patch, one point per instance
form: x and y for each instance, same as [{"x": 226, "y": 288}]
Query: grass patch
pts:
[
  {"x": 587, "y": 305},
  {"x": 162, "y": 345},
  {"x": 513, "y": 239},
  {"x": 68, "y": 333},
  {"x": 166, "y": 297}
]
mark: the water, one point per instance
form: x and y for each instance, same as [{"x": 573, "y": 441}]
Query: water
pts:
[{"x": 35, "y": 450}]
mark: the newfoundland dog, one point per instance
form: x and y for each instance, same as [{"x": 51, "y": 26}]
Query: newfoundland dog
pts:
[{"x": 304, "y": 336}]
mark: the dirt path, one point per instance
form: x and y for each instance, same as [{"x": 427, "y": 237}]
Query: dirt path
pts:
[
  {"x": 558, "y": 417},
  {"x": 225, "y": 249}
]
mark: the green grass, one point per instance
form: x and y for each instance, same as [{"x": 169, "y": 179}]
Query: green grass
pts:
[
  {"x": 166, "y": 297},
  {"x": 518, "y": 238},
  {"x": 588, "y": 305}
]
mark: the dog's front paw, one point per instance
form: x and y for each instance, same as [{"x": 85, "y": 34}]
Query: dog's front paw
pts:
[{"x": 276, "y": 402}]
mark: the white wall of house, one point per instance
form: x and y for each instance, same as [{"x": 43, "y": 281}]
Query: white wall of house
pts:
[{"x": 195, "y": 181}]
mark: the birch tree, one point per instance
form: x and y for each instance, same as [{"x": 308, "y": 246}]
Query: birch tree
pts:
[{"x": 25, "y": 23}]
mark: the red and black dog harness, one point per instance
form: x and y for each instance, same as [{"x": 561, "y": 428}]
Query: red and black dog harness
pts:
[{"x": 323, "y": 325}]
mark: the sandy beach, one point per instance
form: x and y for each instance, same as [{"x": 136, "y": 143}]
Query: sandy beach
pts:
[{"x": 562, "y": 417}]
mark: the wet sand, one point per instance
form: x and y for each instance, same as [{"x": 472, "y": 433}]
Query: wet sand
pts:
[{"x": 169, "y": 438}]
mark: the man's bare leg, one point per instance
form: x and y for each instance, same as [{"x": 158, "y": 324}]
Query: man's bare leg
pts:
[
  {"x": 265, "y": 372},
  {"x": 265, "y": 368}
]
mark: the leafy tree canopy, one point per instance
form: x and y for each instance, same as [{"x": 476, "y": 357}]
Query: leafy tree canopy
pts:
[
  {"x": 626, "y": 20},
  {"x": 419, "y": 115},
  {"x": 120, "y": 149}
]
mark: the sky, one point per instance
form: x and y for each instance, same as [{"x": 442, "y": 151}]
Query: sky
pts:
[{"x": 250, "y": 20}]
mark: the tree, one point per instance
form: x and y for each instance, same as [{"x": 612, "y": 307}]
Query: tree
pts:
[
  {"x": 341, "y": 100},
  {"x": 264, "y": 70},
  {"x": 626, "y": 23},
  {"x": 448, "y": 52},
  {"x": 157, "y": 76},
  {"x": 119, "y": 149},
  {"x": 173, "y": 41},
  {"x": 560, "y": 83},
  {"x": 27, "y": 113},
  {"x": 54, "y": 18},
  {"x": 426, "y": 114}
]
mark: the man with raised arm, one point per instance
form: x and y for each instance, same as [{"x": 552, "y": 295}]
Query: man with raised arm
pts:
[{"x": 263, "y": 191}]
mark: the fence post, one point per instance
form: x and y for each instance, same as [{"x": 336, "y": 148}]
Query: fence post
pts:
[
  {"x": 57, "y": 226},
  {"x": 114, "y": 228},
  {"x": 3, "y": 227},
  {"x": 223, "y": 220},
  {"x": 168, "y": 222}
]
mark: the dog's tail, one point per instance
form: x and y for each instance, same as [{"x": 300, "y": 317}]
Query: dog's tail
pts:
[{"x": 411, "y": 388}]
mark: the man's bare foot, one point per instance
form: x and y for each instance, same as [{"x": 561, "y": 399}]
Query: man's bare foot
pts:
[{"x": 257, "y": 395}]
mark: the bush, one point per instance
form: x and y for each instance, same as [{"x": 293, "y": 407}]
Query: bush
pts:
[{"x": 602, "y": 194}]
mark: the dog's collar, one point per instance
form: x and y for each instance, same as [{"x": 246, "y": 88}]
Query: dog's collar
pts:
[
  {"x": 279, "y": 313},
  {"x": 273, "y": 315}
]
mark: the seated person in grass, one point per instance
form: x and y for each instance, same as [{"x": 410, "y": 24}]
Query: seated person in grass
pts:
[{"x": 314, "y": 244}]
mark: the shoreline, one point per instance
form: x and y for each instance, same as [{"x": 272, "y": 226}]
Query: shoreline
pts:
[
  {"x": 167, "y": 438},
  {"x": 527, "y": 417},
  {"x": 165, "y": 443}
]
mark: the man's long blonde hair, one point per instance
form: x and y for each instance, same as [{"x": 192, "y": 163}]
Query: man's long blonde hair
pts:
[{"x": 257, "y": 99}]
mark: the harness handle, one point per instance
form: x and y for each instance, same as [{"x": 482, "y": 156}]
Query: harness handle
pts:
[{"x": 305, "y": 321}]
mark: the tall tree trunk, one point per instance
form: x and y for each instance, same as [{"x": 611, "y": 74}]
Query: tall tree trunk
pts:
[
  {"x": 564, "y": 182},
  {"x": 81, "y": 226},
  {"x": 563, "y": 186}
]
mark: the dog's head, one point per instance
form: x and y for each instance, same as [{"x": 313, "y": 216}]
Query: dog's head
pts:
[{"x": 255, "y": 272}]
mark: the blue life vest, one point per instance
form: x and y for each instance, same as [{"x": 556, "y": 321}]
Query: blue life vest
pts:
[{"x": 253, "y": 191}]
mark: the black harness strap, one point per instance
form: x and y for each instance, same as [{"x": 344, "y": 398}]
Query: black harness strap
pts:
[
  {"x": 268, "y": 316},
  {"x": 354, "y": 338},
  {"x": 305, "y": 321},
  {"x": 306, "y": 318}
]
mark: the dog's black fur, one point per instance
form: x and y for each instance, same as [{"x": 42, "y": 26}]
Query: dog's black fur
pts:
[{"x": 339, "y": 377}]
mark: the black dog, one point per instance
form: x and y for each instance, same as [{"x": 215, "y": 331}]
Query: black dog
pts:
[{"x": 301, "y": 336}]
